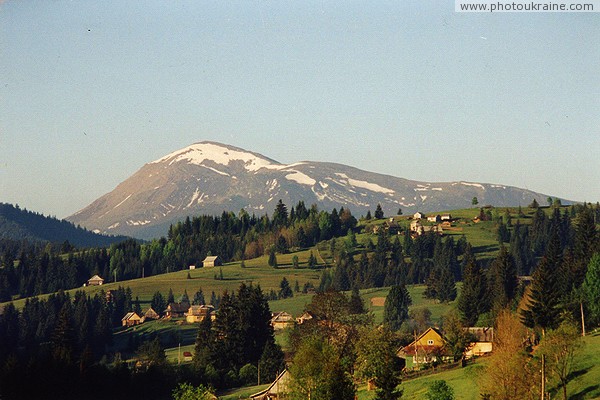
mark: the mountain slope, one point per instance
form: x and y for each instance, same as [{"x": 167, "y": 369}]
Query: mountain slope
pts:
[
  {"x": 17, "y": 224},
  {"x": 209, "y": 177}
]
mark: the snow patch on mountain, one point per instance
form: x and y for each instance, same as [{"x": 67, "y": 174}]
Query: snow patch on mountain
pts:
[
  {"x": 300, "y": 178},
  {"x": 126, "y": 198},
  {"x": 216, "y": 170},
  {"x": 199, "y": 152},
  {"x": 472, "y": 184}
]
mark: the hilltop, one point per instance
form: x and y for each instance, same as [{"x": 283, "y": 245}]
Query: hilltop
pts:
[{"x": 210, "y": 177}]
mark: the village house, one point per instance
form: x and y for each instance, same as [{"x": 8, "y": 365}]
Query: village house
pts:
[
  {"x": 197, "y": 313},
  {"x": 483, "y": 341},
  {"x": 306, "y": 316},
  {"x": 277, "y": 390},
  {"x": 425, "y": 349},
  {"x": 434, "y": 218},
  {"x": 150, "y": 314},
  {"x": 446, "y": 217},
  {"x": 176, "y": 310},
  {"x": 418, "y": 215},
  {"x": 417, "y": 228},
  {"x": 212, "y": 261},
  {"x": 95, "y": 281},
  {"x": 131, "y": 319},
  {"x": 281, "y": 320}
]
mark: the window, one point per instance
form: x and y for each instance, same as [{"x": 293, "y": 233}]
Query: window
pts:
[{"x": 430, "y": 342}]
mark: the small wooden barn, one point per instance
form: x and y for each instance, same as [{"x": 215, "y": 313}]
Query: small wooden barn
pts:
[
  {"x": 131, "y": 319},
  {"x": 95, "y": 281},
  {"x": 212, "y": 261},
  {"x": 150, "y": 314}
]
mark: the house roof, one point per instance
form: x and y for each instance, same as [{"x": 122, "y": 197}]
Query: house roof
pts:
[
  {"x": 279, "y": 385},
  {"x": 130, "y": 315},
  {"x": 282, "y": 316},
  {"x": 150, "y": 313},
  {"x": 178, "y": 307},
  {"x": 482, "y": 334},
  {"x": 95, "y": 278},
  {"x": 210, "y": 258},
  {"x": 410, "y": 349}
]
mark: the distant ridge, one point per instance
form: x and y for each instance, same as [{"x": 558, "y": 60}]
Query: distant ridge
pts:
[
  {"x": 210, "y": 177},
  {"x": 18, "y": 224}
]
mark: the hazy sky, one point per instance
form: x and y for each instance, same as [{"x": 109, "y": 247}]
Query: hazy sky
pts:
[{"x": 92, "y": 90}]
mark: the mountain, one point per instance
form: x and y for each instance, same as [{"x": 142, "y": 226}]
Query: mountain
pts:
[
  {"x": 18, "y": 224},
  {"x": 210, "y": 177}
]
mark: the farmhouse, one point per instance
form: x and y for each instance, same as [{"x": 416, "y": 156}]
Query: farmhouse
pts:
[
  {"x": 446, "y": 217},
  {"x": 198, "y": 313},
  {"x": 212, "y": 261},
  {"x": 281, "y": 320},
  {"x": 131, "y": 319},
  {"x": 427, "y": 348},
  {"x": 176, "y": 310},
  {"x": 304, "y": 317},
  {"x": 418, "y": 229},
  {"x": 95, "y": 281},
  {"x": 434, "y": 218},
  {"x": 483, "y": 341},
  {"x": 150, "y": 314},
  {"x": 418, "y": 215},
  {"x": 277, "y": 389}
]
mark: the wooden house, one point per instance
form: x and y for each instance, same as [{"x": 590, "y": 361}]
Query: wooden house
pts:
[
  {"x": 483, "y": 339},
  {"x": 418, "y": 215},
  {"x": 95, "y": 281},
  {"x": 434, "y": 218},
  {"x": 446, "y": 217},
  {"x": 212, "y": 261},
  {"x": 197, "y": 313},
  {"x": 150, "y": 314},
  {"x": 304, "y": 317},
  {"x": 277, "y": 390},
  {"x": 425, "y": 349},
  {"x": 282, "y": 320},
  {"x": 176, "y": 310},
  {"x": 131, "y": 319}
]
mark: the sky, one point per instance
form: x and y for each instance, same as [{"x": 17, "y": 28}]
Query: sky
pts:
[{"x": 90, "y": 91}]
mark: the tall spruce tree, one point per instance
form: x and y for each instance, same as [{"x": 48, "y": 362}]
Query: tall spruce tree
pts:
[
  {"x": 378, "y": 212},
  {"x": 591, "y": 289},
  {"x": 472, "y": 301},
  {"x": 503, "y": 280},
  {"x": 395, "y": 310},
  {"x": 543, "y": 308}
]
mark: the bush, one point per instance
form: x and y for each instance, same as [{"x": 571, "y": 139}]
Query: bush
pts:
[
  {"x": 248, "y": 374},
  {"x": 440, "y": 390}
]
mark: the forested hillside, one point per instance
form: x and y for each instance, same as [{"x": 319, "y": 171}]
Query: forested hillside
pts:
[{"x": 19, "y": 224}]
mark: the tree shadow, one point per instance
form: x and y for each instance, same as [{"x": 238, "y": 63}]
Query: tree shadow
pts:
[
  {"x": 579, "y": 372},
  {"x": 581, "y": 395}
]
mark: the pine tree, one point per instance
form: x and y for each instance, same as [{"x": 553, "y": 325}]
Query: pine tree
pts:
[
  {"x": 591, "y": 288},
  {"x": 395, "y": 310},
  {"x": 472, "y": 300},
  {"x": 543, "y": 308},
  {"x": 285, "y": 290},
  {"x": 356, "y": 304},
  {"x": 503, "y": 280},
  {"x": 272, "y": 258},
  {"x": 378, "y": 212}
]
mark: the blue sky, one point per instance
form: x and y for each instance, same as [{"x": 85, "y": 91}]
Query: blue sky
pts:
[{"x": 90, "y": 91}]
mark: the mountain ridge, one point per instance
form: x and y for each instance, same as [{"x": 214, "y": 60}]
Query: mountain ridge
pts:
[{"x": 209, "y": 177}]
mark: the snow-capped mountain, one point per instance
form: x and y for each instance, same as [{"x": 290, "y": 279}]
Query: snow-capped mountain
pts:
[{"x": 209, "y": 177}]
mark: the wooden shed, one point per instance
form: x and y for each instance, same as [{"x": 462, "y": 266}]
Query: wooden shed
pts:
[
  {"x": 131, "y": 319},
  {"x": 95, "y": 281},
  {"x": 212, "y": 261}
]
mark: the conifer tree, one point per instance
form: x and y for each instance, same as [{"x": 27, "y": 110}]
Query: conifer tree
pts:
[
  {"x": 472, "y": 300},
  {"x": 546, "y": 291},
  {"x": 395, "y": 310},
  {"x": 503, "y": 280},
  {"x": 591, "y": 288},
  {"x": 378, "y": 212}
]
